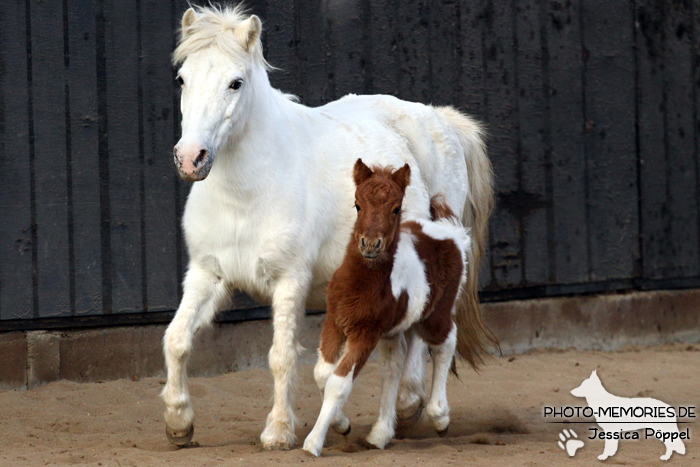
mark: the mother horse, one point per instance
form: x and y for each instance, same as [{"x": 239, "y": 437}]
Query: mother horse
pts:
[{"x": 272, "y": 209}]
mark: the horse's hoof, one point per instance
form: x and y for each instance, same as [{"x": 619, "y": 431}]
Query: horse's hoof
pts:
[
  {"x": 347, "y": 432},
  {"x": 366, "y": 444},
  {"x": 406, "y": 420},
  {"x": 278, "y": 446},
  {"x": 443, "y": 433},
  {"x": 179, "y": 437}
]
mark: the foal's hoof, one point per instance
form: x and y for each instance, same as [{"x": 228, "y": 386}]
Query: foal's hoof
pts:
[
  {"x": 443, "y": 433},
  {"x": 179, "y": 437},
  {"x": 347, "y": 432}
]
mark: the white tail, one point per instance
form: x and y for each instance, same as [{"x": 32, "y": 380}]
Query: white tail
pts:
[{"x": 473, "y": 336}]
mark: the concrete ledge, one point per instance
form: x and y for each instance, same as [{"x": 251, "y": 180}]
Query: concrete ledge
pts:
[{"x": 603, "y": 322}]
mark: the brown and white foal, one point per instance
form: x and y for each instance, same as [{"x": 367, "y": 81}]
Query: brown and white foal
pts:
[{"x": 395, "y": 276}]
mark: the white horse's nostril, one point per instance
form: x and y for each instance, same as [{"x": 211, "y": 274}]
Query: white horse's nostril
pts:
[{"x": 200, "y": 158}]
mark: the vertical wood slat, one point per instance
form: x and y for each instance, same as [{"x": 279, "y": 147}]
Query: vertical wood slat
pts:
[
  {"x": 669, "y": 207},
  {"x": 443, "y": 51},
  {"x": 346, "y": 28},
  {"x": 470, "y": 84},
  {"x": 282, "y": 47},
  {"x": 159, "y": 179},
  {"x": 122, "y": 85},
  {"x": 532, "y": 127},
  {"x": 610, "y": 139},
  {"x": 16, "y": 290},
  {"x": 567, "y": 156},
  {"x": 499, "y": 65},
  {"x": 384, "y": 46},
  {"x": 48, "y": 87},
  {"x": 85, "y": 214},
  {"x": 413, "y": 45}
]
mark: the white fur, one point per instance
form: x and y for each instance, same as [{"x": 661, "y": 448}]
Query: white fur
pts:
[
  {"x": 274, "y": 214},
  {"x": 408, "y": 275}
]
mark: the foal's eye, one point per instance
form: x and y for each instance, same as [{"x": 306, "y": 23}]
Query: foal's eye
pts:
[
  {"x": 180, "y": 81},
  {"x": 396, "y": 211},
  {"x": 357, "y": 207},
  {"x": 236, "y": 84}
]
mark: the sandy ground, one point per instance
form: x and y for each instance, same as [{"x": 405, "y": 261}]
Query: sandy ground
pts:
[{"x": 496, "y": 417}]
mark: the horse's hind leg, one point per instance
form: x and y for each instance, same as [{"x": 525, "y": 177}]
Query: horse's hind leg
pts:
[
  {"x": 411, "y": 398},
  {"x": 392, "y": 353},
  {"x": 288, "y": 302},
  {"x": 438, "y": 409},
  {"x": 204, "y": 294}
]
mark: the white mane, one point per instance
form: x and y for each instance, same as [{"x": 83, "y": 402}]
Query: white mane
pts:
[{"x": 214, "y": 27}]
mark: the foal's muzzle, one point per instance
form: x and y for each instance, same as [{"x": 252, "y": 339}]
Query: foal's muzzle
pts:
[{"x": 371, "y": 248}]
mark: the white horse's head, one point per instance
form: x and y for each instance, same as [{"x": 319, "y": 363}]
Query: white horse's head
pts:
[{"x": 221, "y": 58}]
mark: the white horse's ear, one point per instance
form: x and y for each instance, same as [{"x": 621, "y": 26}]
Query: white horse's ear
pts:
[
  {"x": 188, "y": 20},
  {"x": 248, "y": 32}
]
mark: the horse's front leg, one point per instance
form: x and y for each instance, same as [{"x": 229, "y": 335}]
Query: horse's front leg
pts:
[
  {"x": 288, "y": 300},
  {"x": 205, "y": 293},
  {"x": 412, "y": 390}
]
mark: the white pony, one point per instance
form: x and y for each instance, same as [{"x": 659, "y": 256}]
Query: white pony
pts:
[{"x": 272, "y": 209}]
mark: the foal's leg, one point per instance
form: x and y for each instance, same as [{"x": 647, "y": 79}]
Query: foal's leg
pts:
[
  {"x": 204, "y": 294},
  {"x": 338, "y": 388},
  {"x": 438, "y": 409},
  {"x": 332, "y": 342},
  {"x": 288, "y": 302},
  {"x": 412, "y": 390},
  {"x": 392, "y": 353}
]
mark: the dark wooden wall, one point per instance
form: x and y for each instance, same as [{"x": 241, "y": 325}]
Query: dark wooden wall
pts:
[{"x": 591, "y": 107}]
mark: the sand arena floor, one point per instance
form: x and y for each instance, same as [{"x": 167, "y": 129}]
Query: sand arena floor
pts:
[{"x": 496, "y": 417}]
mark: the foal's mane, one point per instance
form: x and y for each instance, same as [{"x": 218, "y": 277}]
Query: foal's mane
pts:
[{"x": 214, "y": 27}]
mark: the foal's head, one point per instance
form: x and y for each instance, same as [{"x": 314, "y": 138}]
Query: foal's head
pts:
[{"x": 378, "y": 202}]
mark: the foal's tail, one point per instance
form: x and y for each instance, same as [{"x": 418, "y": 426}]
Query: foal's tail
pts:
[{"x": 474, "y": 338}]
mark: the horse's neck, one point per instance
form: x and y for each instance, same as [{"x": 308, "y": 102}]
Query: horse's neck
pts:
[{"x": 256, "y": 147}]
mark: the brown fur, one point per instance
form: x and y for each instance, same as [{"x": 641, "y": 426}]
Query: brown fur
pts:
[{"x": 361, "y": 305}]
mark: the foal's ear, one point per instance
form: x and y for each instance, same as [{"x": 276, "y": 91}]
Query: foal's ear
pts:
[
  {"x": 188, "y": 20},
  {"x": 361, "y": 173},
  {"x": 402, "y": 177},
  {"x": 249, "y": 31}
]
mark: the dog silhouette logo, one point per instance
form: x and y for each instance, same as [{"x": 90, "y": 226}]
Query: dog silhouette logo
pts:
[{"x": 622, "y": 418}]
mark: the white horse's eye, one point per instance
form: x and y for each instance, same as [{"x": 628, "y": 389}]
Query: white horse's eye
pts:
[
  {"x": 236, "y": 84},
  {"x": 180, "y": 81}
]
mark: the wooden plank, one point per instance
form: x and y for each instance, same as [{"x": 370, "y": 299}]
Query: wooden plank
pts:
[
  {"x": 346, "y": 36},
  {"x": 281, "y": 39},
  {"x": 383, "y": 17},
  {"x": 124, "y": 176},
  {"x": 683, "y": 215},
  {"x": 84, "y": 169},
  {"x": 470, "y": 54},
  {"x": 533, "y": 139},
  {"x": 568, "y": 163},
  {"x": 413, "y": 42},
  {"x": 16, "y": 291},
  {"x": 610, "y": 139},
  {"x": 443, "y": 52},
  {"x": 160, "y": 224},
  {"x": 469, "y": 88},
  {"x": 668, "y": 179},
  {"x": 312, "y": 53},
  {"x": 499, "y": 66},
  {"x": 49, "y": 94}
]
